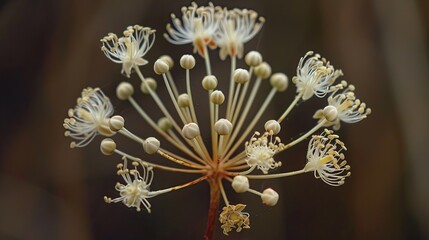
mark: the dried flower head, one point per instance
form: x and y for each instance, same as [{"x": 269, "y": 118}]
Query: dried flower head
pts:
[{"x": 232, "y": 216}]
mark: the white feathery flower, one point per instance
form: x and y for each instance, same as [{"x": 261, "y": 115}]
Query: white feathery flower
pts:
[
  {"x": 314, "y": 76},
  {"x": 260, "y": 151},
  {"x": 89, "y": 117},
  {"x": 324, "y": 157},
  {"x": 198, "y": 26},
  {"x": 236, "y": 28},
  {"x": 135, "y": 191},
  {"x": 129, "y": 49},
  {"x": 349, "y": 108}
]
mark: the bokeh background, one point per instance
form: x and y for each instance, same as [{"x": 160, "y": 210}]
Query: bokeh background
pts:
[{"x": 51, "y": 50}]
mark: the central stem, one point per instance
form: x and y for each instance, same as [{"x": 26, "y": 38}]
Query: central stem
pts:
[{"x": 213, "y": 209}]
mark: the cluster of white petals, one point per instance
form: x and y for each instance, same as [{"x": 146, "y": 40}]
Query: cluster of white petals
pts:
[
  {"x": 325, "y": 158},
  {"x": 130, "y": 49},
  {"x": 197, "y": 26},
  {"x": 349, "y": 108},
  {"x": 135, "y": 191},
  {"x": 314, "y": 76},
  {"x": 260, "y": 151},
  {"x": 89, "y": 117}
]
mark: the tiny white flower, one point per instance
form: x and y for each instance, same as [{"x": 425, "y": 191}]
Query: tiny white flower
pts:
[
  {"x": 129, "y": 49},
  {"x": 237, "y": 28},
  {"x": 89, "y": 117},
  {"x": 260, "y": 151},
  {"x": 324, "y": 157},
  {"x": 349, "y": 108},
  {"x": 198, "y": 26},
  {"x": 314, "y": 76},
  {"x": 135, "y": 191}
]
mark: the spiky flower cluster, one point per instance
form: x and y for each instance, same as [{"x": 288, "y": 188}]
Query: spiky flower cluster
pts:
[{"x": 221, "y": 155}]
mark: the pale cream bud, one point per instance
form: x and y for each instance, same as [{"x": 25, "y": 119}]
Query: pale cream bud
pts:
[
  {"x": 116, "y": 123},
  {"x": 209, "y": 82},
  {"x": 263, "y": 70},
  {"x": 167, "y": 59},
  {"x": 160, "y": 67},
  {"x": 124, "y": 90},
  {"x": 240, "y": 184},
  {"x": 269, "y": 197},
  {"x": 279, "y": 81},
  {"x": 223, "y": 126},
  {"x": 272, "y": 125},
  {"x": 148, "y": 82},
  {"x": 165, "y": 124},
  {"x": 330, "y": 113},
  {"x": 241, "y": 76},
  {"x": 217, "y": 97},
  {"x": 253, "y": 58},
  {"x": 151, "y": 145},
  {"x": 190, "y": 130},
  {"x": 107, "y": 146},
  {"x": 187, "y": 61},
  {"x": 183, "y": 100}
]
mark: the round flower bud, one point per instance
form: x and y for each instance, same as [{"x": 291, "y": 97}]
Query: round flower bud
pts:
[
  {"x": 183, "y": 100},
  {"x": 240, "y": 184},
  {"x": 330, "y": 113},
  {"x": 209, "y": 82},
  {"x": 223, "y": 126},
  {"x": 151, "y": 145},
  {"x": 124, "y": 90},
  {"x": 167, "y": 59},
  {"x": 253, "y": 58},
  {"x": 269, "y": 197},
  {"x": 148, "y": 82},
  {"x": 160, "y": 67},
  {"x": 116, "y": 123},
  {"x": 272, "y": 126},
  {"x": 187, "y": 61},
  {"x": 107, "y": 146},
  {"x": 217, "y": 97},
  {"x": 165, "y": 124},
  {"x": 190, "y": 130},
  {"x": 263, "y": 70},
  {"x": 279, "y": 81},
  {"x": 241, "y": 76}
]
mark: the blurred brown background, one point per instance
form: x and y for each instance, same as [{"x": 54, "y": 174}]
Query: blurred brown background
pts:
[{"x": 51, "y": 50}]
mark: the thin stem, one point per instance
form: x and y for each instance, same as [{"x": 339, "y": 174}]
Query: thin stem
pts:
[
  {"x": 158, "y": 166},
  {"x": 177, "y": 144},
  {"x": 252, "y": 124},
  {"x": 154, "y": 193},
  {"x": 231, "y": 84},
  {"x": 311, "y": 131},
  {"x": 243, "y": 95},
  {"x": 278, "y": 175},
  {"x": 243, "y": 116},
  {"x": 207, "y": 60},
  {"x": 290, "y": 107},
  {"x": 222, "y": 190}
]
